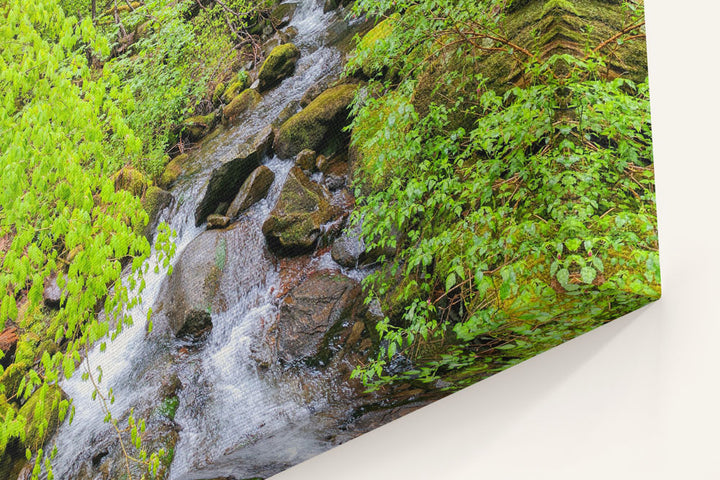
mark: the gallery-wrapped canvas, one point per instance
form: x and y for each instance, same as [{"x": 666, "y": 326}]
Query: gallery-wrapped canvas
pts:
[{"x": 237, "y": 233}]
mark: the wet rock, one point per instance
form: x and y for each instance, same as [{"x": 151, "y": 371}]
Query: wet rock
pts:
[
  {"x": 154, "y": 201},
  {"x": 319, "y": 126},
  {"x": 217, "y": 221},
  {"x": 334, "y": 182},
  {"x": 349, "y": 251},
  {"x": 283, "y": 14},
  {"x": 306, "y": 160},
  {"x": 290, "y": 32},
  {"x": 188, "y": 296},
  {"x": 296, "y": 222},
  {"x": 240, "y": 104},
  {"x": 346, "y": 249},
  {"x": 279, "y": 65},
  {"x": 8, "y": 342},
  {"x": 226, "y": 180},
  {"x": 292, "y": 108},
  {"x": 253, "y": 190},
  {"x": 311, "y": 309},
  {"x": 51, "y": 293}
]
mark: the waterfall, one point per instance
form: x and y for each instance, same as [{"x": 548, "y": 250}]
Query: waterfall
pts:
[{"x": 225, "y": 406}]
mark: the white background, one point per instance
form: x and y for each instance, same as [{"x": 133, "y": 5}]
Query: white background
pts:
[{"x": 636, "y": 399}]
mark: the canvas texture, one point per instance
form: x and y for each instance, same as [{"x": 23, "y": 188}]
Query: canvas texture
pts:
[{"x": 221, "y": 259}]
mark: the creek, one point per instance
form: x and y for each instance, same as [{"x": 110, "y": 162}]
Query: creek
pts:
[{"x": 231, "y": 419}]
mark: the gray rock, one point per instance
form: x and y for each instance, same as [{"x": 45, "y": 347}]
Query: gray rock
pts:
[
  {"x": 226, "y": 180},
  {"x": 188, "y": 296},
  {"x": 253, "y": 190},
  {"x": 52, "y": 293},
  {"x": 348, "y": 248}
]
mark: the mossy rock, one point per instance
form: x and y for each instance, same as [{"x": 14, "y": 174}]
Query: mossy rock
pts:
[
  {"x": 218, "y": 92},
  {"x": 296, "y": 222},
  {"x": 241, "y": 83},
  {"x": 194, "y": 128},
  {"x": 240, "y": 104},
  {"x": 42, "y": 411},
  {"x": 319, "y": 126},
  {"x": 12, "y": 377},
  {"x": 279, "y": 65},
  {"x": 131, "y": 180},
  {"x": 378, "y": 33},
  {"x": 173, "y": 170}
]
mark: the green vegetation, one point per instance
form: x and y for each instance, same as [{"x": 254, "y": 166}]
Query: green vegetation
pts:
[
  {"x": 525, "y": 208},
  {"x": 91, "y": 99}
]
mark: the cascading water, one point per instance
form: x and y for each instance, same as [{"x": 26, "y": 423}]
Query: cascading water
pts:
[{"x": 225, "y": 406}]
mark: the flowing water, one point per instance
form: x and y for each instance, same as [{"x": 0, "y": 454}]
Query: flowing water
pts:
[{"x": 232, "y": 421}]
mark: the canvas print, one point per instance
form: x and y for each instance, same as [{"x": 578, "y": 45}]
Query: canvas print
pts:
[{"x": 237, "y": 233}]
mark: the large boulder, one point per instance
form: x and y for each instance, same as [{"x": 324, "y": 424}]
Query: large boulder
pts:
[
  {"x": 188, "y": 297},
  {"x": 226, "y": 180},
  {"x": 253, "y": 190},
  {"x": 279, "y": 65},
  {"x": 319, "y": 126},
  {"x": 310, "y": 311},
  {"x": 296, "y": 222}
]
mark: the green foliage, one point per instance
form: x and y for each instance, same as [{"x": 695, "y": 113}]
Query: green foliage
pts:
[
  {"x": 63, "y": 133},
  {"x": 532, "y": 227}
]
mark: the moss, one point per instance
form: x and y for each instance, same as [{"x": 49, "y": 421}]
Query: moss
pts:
[
  {"x": 238, "y": 86},
  {"x": 173, "y": 170},
  {"x": 218, "y": 93},
  {"x": 246, "y": 100},
  {"x": 12, "y": 377},
  {"x": 278, "y": 65},
  {"x": 42, "y": 411},
  {"x": 131, "y": 180},
  {"x": 197, "y": 127},
  {"x": 318, "y": 126},
  {"x": 370, "y": 40},
  {"x": 169, "y": 407}
]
